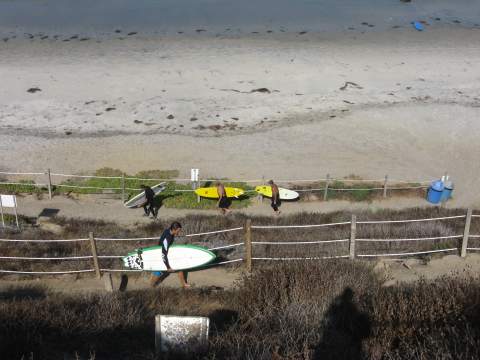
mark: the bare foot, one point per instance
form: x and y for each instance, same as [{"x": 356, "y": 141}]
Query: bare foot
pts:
[{"x": 187, "y": 286}]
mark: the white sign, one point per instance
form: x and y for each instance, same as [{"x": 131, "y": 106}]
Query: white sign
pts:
[
  {"x": 187, "y": 334},
  {"x": 194, "y": 174},
  {"x": 8, "y": 201}
]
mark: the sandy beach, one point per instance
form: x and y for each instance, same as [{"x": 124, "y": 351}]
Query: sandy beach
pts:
[{"x": 289, "y": 106}]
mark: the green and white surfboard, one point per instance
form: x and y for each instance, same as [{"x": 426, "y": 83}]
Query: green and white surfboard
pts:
[{"x": 180, "y": 257}]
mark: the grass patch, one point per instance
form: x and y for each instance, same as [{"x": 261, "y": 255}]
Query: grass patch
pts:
[
  {"x": 358, "y": 191},
  {"x": 25, "y": 187},
  {"x": 169, "y": 198},
  {"x": 189, "y": 200}
]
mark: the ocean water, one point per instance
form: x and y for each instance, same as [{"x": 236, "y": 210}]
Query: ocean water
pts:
[{"x": 234, "y": 16}]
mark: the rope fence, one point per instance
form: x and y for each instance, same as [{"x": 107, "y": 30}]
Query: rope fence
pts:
[
  {"x": 330, "y": 184},
  {"x": 47, "y": 258},
  {"x": 412, "y": 220},
  {"x": 299, "y": 258},
  {"x": 47, "y": 272},
  {"x": 298, "y": 242},
  {"x": 408, "y": 253},
  {"x": 299, "y": 226},
  {"x": 42, "y": 241},
  {"x": 412, "y": 239},
  {"x": 248, "y": 246}
]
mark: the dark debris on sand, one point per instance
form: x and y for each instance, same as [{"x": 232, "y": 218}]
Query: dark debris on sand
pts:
[
  {"x": 33, "y": 90},
  {"x": 352, "y": 84}
]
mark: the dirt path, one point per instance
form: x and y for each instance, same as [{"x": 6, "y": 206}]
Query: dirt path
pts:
[
  {"x": 396, "y": 271},
  {"x": 216, "y": 277},
  {"x": 101, "y": 208},
  {"x": 409, "y": 270}
]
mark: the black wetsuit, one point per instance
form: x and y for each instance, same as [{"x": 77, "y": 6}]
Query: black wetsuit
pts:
[
  {"x": 276, "y": 202},
  {"x": 165, "y": 241},
  {"x": 149, "y": 207},
  {"x": 224, "y": 202}
]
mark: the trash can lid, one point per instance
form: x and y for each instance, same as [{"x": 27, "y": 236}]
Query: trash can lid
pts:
[
  {"x": 437, "y": 185},
  {"x": 449, "y": 185}
]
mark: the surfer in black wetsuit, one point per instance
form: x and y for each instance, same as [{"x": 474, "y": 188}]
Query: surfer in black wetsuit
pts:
[
  {"x": 166, "y": 240},
  {"x": 275, "y": 197},
  {"x": 223, "y": 201},
  {"x": 149, "y": 206}
]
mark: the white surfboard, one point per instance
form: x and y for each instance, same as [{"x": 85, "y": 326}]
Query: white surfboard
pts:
[
  {"x": 285, "y": 194},
  {"x": 140, "y": 199},
  {"x": 180, "y": 257}
]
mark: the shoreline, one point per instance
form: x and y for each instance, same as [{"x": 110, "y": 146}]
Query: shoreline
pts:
[{"x": 213, "y": 17}]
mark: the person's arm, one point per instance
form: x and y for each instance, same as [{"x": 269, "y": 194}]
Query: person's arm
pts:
[{"x": 164, "y": 243}]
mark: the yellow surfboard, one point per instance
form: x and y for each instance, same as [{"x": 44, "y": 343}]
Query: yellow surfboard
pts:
[
  {"x": 212, "y": 193},
  {"x": 285, "y": 194}
]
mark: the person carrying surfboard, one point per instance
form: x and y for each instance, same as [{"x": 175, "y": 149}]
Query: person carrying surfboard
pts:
[
  {"x": 275, "y": 197},
  {"x": 166, "y": 240},
  {"x": 223, "y": 202},
  {"x": 149, "y": 206}
]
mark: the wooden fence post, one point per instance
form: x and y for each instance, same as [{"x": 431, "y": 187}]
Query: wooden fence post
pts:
[
  {"x": 123, "y": 187},
  {"x": 49, "y": 179},
  {"x": 94, "y": 254},
  {"x": 197, "y": 187},
  {"x": 385, "y": 186},
  {"x": 248, "y": 245},
  {"x": 108, "y": 281},
  {"x": 353, "y": 235},
  {"x": 325, "y": 193},
  {"x": 158, "y": 334},
  {"x": 260, "y": 196},
  {"x": 466, "y": 232}
]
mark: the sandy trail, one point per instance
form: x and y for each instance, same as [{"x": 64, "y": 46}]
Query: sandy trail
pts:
[
  {"x": 216, "y": 277},
  {"x": 395, "y": 272},
  {"x": 101, "y": 208}
]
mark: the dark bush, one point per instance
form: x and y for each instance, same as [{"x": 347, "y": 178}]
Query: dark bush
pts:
[{"x": 318, "y": 310}]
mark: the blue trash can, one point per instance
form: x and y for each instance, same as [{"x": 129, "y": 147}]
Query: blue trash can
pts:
[
  {"x": 447, "y": 190},
  {"x": 435, "y": 191}
]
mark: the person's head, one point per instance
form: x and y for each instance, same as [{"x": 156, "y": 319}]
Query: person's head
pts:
[
  {"x": 270, "y": 182},
  {"x": 175, "y": 228},
  {"x": 218, "y": 183}
]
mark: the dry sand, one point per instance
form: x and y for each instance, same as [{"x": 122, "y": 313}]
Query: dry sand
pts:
[
  {"x": 102, "y": 207},
  {"x": 413, "y": 115},
  {"x": 395, "y": 272},
  {"x": 220, "y": 278}
]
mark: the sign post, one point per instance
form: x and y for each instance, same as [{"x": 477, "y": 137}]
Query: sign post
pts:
[
  {"x": 194, "y": 178},
  {"x": 8, "y": 201}
]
